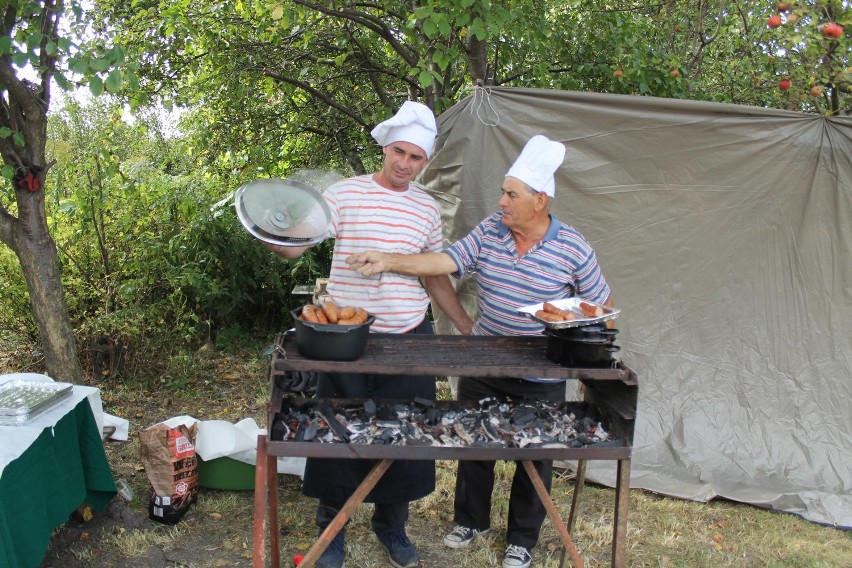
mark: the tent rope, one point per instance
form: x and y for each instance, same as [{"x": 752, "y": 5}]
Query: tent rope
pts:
[{"x": 482, "y": 100}]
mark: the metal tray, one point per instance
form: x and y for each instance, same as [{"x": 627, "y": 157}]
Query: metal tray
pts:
[
  {"x": 21, "y": 400},
  {"x": 572, "y": 305}
]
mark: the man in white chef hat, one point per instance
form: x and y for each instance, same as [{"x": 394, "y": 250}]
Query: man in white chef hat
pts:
[
  {"x": 521, "y": 255},
  {"x": 383, "y": 211}
]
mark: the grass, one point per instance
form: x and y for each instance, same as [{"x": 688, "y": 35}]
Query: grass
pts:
[{"x": 662, "y": 532}]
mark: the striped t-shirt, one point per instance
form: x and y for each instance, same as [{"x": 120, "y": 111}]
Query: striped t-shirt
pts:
[
  {"x": 562, "y": 265},
  {"x": 366, "y": 216}
]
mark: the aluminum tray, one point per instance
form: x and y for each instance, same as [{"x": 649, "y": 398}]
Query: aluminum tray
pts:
[
  {"x": 572, "y": 305},
  {"x": 21, "y": 400}
]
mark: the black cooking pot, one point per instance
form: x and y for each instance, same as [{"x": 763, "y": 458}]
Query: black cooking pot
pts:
[
  {"x": 332, "y": 342},
  {"x": 594, "y": 351},
  {"x": 593, "y": 332}
]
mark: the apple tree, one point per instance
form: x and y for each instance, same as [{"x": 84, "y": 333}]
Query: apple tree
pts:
[{"x": 36, "y": 50}]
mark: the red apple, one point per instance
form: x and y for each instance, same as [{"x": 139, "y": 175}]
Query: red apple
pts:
[
  {"x": 674, "y": 73},
  {"x": 816, "y": 91},
  {"x": 783, "y": 6},
  {"x": 792, "y": 18},
  {"x": 784, "y": 84},
  {"x": 774, "y": 21},
  {"x": 618, "y": 73},
  {"x": 832, "y": 30}
]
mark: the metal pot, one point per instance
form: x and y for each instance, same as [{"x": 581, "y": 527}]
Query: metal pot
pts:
[
  {"x": 332, "y": 342},
  {"x": 579, "y": 351}
]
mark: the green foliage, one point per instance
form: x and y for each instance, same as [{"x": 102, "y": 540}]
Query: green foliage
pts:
[{"x": 150, "y": 244}]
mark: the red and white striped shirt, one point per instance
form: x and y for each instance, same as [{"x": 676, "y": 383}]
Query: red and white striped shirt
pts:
[{"x": 366, "y": 216}]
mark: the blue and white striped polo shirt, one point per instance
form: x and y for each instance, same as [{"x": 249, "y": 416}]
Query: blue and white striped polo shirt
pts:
[{"x": 562, "y": 265}]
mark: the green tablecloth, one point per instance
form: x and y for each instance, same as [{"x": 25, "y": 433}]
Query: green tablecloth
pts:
[{"x": 64, "y": 468}]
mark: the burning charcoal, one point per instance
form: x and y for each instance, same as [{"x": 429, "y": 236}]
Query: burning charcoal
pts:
[
  {"x": 385, "y": 412},
  {"x": 389, "y": 435},
  {"x": 409, "y": 430},
  {"x": 401, "y": 411},
  {"x": 370, "y": 407},
  {"x": 280, "y": 431},
  {"x": 299, "y": 436},
  {"x": 310, "y": 431},
  {"x": 424, "y": 402},
  {"x": 433, "y": 416},
  {"x": 522, "y": 416},
  {"x": 458, "y": 427}
]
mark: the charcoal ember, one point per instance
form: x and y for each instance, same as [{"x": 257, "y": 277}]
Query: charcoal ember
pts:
[
  {"x": 491, "y": 423},
  {"x": 522, "y": 416},
  {"x": 370, "y": 408}
]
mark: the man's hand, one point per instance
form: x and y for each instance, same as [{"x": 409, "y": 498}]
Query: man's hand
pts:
[{"x": 368, "y": 263}]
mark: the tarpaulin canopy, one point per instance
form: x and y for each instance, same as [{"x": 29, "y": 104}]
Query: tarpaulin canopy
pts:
[{"x": 725, "y": 232}]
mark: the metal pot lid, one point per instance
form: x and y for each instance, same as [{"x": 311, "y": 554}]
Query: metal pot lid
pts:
[{"x": 283, "y": 212}]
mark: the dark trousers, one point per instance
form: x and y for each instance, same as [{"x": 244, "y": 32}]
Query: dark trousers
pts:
[
  {"x": 386, "y": 517},
  {"x": 475, "y": 479}
]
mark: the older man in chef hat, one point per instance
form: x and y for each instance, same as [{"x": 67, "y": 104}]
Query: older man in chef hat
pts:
[
  {"x": 521, "y": 255},
  {"x": 384, "y": 211}
]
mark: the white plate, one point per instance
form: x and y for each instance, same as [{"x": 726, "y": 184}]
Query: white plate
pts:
[{"x": 572, "y": 305}]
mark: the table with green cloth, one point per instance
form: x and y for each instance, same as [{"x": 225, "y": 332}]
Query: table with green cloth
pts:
[{"x": 49, "y": 466}]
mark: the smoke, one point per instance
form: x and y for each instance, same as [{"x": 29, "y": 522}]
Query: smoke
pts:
[{"x": 316, "y": 178}]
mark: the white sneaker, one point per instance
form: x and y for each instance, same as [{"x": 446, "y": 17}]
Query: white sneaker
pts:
[
  {"x": 461, "y": 536},
  {"x": 516, "y": 557}
]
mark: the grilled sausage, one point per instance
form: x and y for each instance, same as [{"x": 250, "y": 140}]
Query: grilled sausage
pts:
[
  {"x": 591, "y": 311},
  {"x": 309, "y": 314},
  {"x": 330, "y": 310},
  {"x": 346, "y": 313}
]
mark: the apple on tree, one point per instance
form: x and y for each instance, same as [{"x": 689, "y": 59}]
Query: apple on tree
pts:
[
  {"x": 832, "y": 30},
  {"x": 785, "y": 84},
  {"x": 774, "y": 21}
]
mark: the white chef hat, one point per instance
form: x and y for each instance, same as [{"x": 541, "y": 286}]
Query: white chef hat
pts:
[
  {"x": 537, "y": 163},
  {"x": 413, "y": 122}
]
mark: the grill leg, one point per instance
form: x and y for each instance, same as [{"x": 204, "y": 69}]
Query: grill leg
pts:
[
  {"x": 553, "y": 512},
  {"x": 260, "y": 505},
  {"x": 622, "y": 498},
  {"x": 345, "y": 513}
]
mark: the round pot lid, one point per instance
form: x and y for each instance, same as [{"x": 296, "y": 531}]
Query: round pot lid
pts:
[{"x": 283, "y": 212}]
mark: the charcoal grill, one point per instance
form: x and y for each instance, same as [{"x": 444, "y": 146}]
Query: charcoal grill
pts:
[{"x": 612, "y": 391}]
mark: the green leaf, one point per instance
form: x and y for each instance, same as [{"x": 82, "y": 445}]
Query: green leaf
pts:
[
  {"x": 430, "y": 29},
  {"x": 425, "y": 79},
  {"x": 277, "y": 12},
  {"x": 19, "y": 139},
  {"x": 7, "y": 171},
  {"x": 5, "y": 132},
  {"x": 21, "y": 58},
  {"x": 50, "y": 48},
  {"x": 79, "y": 66},
  {"x": 113, "y": 82},
  {"x": 100, "y": 64},
  {"x": 5, "y": 44},
  {"x": 96, "y": 86},
  {"x": 63, "y": 83}
]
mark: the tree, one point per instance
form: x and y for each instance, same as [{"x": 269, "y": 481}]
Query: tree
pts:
[
  {"x": 30, "y": 37},
  {"x": 32, "y": 47}
]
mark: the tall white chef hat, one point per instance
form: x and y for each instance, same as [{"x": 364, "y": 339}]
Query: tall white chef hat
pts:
[
  {"x": 537, "y": 164},
  {"x": 413, "y": 123}
]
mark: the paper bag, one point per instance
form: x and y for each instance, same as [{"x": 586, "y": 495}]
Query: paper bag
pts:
[{"x": 168, "y": 454}]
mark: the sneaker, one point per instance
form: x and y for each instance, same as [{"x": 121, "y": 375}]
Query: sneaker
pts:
[
  {"x": 516, "y": 557},
  {"x": 333, "y": 555},
  {"x": 461, "y": 536},
  {"x": 401, "y": 550}
]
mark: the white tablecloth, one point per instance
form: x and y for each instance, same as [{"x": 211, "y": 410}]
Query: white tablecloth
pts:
[{"x": 14, "y": 440}]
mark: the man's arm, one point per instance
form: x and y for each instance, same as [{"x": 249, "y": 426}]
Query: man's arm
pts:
[
  {"x": 444, "y": 295},
  {"x": 423, "y": 264},
  {"x": 289, "y": 253}
]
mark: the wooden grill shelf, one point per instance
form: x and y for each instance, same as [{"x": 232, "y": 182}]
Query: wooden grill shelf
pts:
[{"x": 613, "y": 391}]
